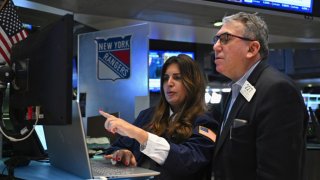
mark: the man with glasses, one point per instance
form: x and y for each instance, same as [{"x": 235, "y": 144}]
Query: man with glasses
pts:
[{"x": 262, "y": 135}]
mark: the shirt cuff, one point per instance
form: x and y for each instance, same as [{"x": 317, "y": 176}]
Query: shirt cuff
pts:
[{"x": 156, "y": 147}]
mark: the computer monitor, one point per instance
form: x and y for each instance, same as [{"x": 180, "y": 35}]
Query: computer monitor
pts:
[
  {"x": 300, "y": 7},
  {"x": 42, "y": 80},
  {"x": 42, "y": 65}
]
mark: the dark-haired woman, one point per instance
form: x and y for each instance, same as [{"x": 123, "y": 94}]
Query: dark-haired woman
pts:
[{"x": 177, "y": 137}]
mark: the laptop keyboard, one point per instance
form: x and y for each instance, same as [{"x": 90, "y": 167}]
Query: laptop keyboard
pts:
[{"x": 105, "y": 168}]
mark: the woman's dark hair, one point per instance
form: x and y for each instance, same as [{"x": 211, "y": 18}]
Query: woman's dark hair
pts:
[{"x": 194, "y": 104}]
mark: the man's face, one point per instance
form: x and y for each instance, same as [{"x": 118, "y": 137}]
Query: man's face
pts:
[{"x": 230, "y": 51}]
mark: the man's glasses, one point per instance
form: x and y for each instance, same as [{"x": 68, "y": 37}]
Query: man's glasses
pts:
[{"x": 225, "y": 38}]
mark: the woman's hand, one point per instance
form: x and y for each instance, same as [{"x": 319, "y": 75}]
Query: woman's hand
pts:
[
  {"x": 122, "y": 127},
  {"x": 116, "y": 125},
  {"x": 125, "y": 156}
]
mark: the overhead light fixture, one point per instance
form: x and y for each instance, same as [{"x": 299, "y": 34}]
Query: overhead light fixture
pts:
[{"x": 217, "y": 23}]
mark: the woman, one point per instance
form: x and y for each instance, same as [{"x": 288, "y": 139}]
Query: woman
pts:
[{"x": 176, "y": 138}]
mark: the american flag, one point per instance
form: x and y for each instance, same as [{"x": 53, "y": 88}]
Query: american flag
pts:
[
  {"x": 11, "y": 30},
  {"x": 208, "y": 133}
]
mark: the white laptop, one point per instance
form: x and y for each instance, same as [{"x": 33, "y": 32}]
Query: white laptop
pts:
[{"x": 67, "y": 150}]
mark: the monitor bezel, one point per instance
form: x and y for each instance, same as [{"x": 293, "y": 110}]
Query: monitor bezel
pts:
[{"x": 314, "y": 8}]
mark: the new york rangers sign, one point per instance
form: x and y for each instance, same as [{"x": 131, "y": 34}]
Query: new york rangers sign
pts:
[{"x": 113, "y": 56}]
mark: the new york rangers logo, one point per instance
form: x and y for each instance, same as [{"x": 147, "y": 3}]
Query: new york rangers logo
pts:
[{"x": 113, "y": 57}]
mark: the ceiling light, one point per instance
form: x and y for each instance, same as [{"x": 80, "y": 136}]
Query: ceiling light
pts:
[{"x": 217, "y": 23}]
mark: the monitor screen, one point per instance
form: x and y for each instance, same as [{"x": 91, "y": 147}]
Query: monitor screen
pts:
[
  {"x": 156, "y": 61},
  {"x": 42, "y": 65},
  {"x": 295, "y": 6},
  {"x": 74, "y": 73},
  {"x": 40, "y": 133}
]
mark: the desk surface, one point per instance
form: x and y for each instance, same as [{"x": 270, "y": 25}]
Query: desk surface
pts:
[
  {"x": 43, "y": 170},
  {"x": 39, "y": 170}
]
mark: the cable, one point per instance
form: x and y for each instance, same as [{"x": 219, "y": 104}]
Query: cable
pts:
[
  {"x": 7, "y": 76},
  {"x": 13, "y": 139}
]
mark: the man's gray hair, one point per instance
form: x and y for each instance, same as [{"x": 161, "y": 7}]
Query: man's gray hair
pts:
[{"x": 255, "y": 28}]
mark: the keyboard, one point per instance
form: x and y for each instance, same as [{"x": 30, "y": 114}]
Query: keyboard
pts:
[{"x": 105, "y": 168}]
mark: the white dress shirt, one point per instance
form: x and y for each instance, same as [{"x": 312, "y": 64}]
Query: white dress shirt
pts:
[{"x": 157, "y": 148}]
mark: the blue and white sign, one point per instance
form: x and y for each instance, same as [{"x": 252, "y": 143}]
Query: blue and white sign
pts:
[
  {"x": 113, "y": 71},
  {"x": 113, "y": 57}
]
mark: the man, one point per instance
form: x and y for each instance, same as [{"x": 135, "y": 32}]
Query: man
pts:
[{"x": 262, "y": 135}]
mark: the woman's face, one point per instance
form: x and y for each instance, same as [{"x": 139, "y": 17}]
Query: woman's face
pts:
[{"x": 173, "y": 88}]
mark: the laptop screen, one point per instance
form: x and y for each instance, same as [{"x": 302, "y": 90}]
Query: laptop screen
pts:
[{"x": 40, "y": 133}]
